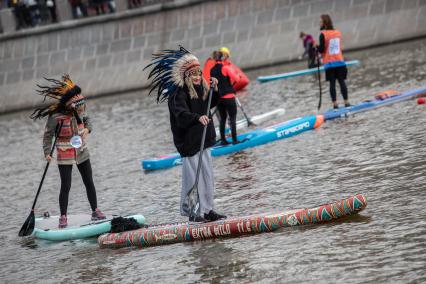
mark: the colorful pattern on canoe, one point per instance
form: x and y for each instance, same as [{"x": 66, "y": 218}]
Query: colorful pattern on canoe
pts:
[{"x": 232, "y": 227}]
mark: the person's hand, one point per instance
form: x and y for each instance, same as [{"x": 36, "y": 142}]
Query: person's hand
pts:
[
  {"x": 48, "y": 158},
  {"x": 85, "y": 134},
  {"x": 215, "y": 82},
  {"x": 204, "y": 120}
]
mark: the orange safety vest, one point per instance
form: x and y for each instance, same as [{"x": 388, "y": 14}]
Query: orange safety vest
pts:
[{"x": 333, "y": 46}]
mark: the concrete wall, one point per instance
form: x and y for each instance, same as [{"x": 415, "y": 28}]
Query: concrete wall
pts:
[{"x": 106, "y": 54}]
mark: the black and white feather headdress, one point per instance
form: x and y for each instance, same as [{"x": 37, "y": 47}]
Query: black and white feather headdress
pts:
[{"x": 169, "y": 68}]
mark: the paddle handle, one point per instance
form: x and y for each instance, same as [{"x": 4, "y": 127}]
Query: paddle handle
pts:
[
  {"x": 203, "y": 138},
  {"x": 319, "y": 81},
  {"x": 57, "y": 131},
  {"x": 249, "y": 122}
]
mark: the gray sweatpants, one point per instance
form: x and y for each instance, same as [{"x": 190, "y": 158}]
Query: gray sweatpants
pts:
[{"x": 205, "y": 182}]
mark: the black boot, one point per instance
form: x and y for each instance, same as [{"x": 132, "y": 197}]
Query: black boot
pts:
[
  {"x": 224, "y": 142},
  {"x": 213, "y": 216},
  {"x": 197, "y": 219}
]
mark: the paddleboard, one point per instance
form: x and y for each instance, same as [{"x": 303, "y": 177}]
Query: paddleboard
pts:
[
  {"x": 372, "y": 104},
  {"x": 257, "y": 119},
  {"x": 79, "y": 227},
  {"x": 286, "y": 75},
  {"x": 233, "y": 227},
  {"x": 250, "y": 139}
]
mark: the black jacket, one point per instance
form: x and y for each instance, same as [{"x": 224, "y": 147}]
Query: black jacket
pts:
[
  {"x": 224, "y": 83},
  {"x": 184, "y": 115}
]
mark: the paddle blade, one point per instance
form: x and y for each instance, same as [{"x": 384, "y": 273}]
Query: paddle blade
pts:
[
  {"x": 28, "y": 227},
  {"x": 191, "y": 203},
  {"x": 251, "y": 123}
]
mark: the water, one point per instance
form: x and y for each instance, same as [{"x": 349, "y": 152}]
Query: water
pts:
[{"x": 380, "y": 153}]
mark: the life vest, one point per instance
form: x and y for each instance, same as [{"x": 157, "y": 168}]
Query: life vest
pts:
[
  {"x": 70, "y": 128},
  {"x": 386, "y": 94},
  {"x": 224, "y": 82},
  {"x": 243, "y": 79},
  {"x": 208, "y": 65},
  {"x": 333, "y": 46}
]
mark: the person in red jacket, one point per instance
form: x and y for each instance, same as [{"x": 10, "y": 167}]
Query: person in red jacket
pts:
[
  {"x": 330, "y": 46},
  {"x": 227, "y": 105}
]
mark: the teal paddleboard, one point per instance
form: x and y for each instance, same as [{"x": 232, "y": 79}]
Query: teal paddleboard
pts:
[{"x": 79, "y": 227}]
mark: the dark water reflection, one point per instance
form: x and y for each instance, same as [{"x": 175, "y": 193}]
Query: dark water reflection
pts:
[{"x": 380, "y": 153}]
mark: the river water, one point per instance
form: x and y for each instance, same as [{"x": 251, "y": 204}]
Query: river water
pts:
[{"x": 380, "y": 153}]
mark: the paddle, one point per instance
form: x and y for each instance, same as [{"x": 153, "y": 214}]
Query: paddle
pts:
[
  {"x": 319, "y": 81},
  {"x": 28, "y": 226},
  {"x": 193, "y": 196},
  {"x": 249, "y": 122}
]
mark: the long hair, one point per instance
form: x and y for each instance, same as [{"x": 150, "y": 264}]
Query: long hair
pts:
[
  {"x": 192, "y": 92},
  {"x": 327, "y": 22}
]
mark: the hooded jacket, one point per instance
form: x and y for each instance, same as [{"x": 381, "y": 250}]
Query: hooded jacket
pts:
[{"x": 184, "y": 120}]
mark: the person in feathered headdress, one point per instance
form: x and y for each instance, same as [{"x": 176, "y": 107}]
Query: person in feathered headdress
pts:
[
  {"x": 176, "y": 76},
  {"x": 69, "y": 111}
]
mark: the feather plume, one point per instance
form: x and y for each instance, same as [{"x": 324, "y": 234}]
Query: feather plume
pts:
[{"x": 168, "y": 71}]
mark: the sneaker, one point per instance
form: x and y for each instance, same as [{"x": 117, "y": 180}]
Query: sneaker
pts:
[
  {"x": 335, "y": 107},
  {"x": 63, "y": 222},
  {"x": 239, "y": 141},
  {"x": 348, "y": 105},
  {"x": 213, "y": 216},
  {"x": 98, "y": 215},
  {"x": 197, "y": 219},
  {"x": 224, "y": 142}
]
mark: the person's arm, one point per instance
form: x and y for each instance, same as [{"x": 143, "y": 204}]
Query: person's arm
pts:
[
  {"x": 87, "y": 123},
  {"x": 180, "y": 110},
  {"x": 306, "y": 47},
  {"x": 49, "y": 133},
  {"x": 321, "y": 46}
]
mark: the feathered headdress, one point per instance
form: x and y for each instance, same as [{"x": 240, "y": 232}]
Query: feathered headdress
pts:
[
  {"x": 64, "y": 91},
  {"x": 169, "y": 70}
]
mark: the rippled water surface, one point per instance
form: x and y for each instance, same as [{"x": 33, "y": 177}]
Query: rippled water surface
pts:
[{"x": 380, "y": 153}]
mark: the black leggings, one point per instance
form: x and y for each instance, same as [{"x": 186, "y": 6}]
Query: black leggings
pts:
[
  {"x": 65, "y": 172},
  {"x": 343, "y": 88},
  {"x": 228, "y": 107}
]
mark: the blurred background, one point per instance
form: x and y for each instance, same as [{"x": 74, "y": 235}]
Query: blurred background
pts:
[{"x": 104, "y": 44}]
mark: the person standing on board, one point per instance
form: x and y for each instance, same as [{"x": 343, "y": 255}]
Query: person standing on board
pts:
[
  {"x": 227, "y": 106},
  {"x": 309, "y": 46},
  {"x": 177, "y": 77},
  {"x": 68, "y": 114},
  {"x": 330, "y": 46}
]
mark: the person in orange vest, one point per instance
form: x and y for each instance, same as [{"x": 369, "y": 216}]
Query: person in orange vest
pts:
[
  {"x": 227, "y": 105},
  {"x": 67, "y": 118},
  {"x": 330, "y": 47}
]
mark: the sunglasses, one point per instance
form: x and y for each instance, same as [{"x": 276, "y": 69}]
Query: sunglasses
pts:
[{"x": 195, "y": 73}]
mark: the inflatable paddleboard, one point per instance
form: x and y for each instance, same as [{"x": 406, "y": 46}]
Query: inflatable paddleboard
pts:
[
  {"x": 373, "y": 104},
  {"x": 263, "y": 79},
  {"x": 233, "y": 227},
  {"x": 249, "y": 139},
  {"x": 79, "y": 227}
]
